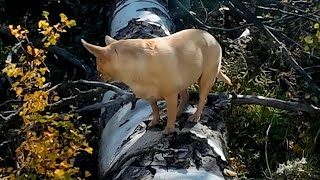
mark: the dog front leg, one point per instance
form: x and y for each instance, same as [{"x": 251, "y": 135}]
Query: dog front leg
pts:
[
  {"x": 155, "y": 113},
  {"x": 172, "y": 102}
]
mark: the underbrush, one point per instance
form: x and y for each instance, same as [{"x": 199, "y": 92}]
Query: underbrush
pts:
[{"x": 264, "y": 141}]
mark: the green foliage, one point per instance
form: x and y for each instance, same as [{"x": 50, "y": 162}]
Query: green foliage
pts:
[
  {"x": 312, "y": 41},
  {"x": 291, "y": 133}
]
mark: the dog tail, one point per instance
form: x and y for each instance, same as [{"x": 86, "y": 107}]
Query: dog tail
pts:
[{"x": 224, "y": 78}]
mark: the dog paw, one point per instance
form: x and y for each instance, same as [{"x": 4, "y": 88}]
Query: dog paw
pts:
[
  {"x": 168, "y": 130},
  {"x": 194, "y": 118}
]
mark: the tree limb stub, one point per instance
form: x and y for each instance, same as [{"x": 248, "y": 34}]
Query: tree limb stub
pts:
[
  {"x": 239, "y": 99},
  {"x": 276, "y": 103},
  {"x": 252, "y": 18}
]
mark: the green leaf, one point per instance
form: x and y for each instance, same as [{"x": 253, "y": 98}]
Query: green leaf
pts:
[
  {"x": 306, "y": 48},
  {"x": 45, "y": 14},
  {"x": 316, "y": 26},
  {"x": 308, "y": 39}
]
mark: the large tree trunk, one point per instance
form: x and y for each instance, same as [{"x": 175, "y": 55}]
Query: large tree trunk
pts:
[{"x": 127, "y": 149}]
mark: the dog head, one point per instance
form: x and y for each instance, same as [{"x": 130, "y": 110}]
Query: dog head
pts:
[{"x": 104, "y": 57}]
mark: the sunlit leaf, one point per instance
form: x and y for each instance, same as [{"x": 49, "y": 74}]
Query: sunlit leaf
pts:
[
  {"x": 63, "y": 17},
  {"x": 308, "y": 39},
  {"x": 58, "y": 172},
  {"x": 89, "y": 150}
]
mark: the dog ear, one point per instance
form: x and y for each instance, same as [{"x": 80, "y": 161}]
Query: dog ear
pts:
[
  {"x": 108, "y": 40},
  {"x": 93, "y": 49}
]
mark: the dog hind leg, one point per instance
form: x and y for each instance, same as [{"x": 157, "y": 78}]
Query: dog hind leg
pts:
[{"x": 205, "y": 82}]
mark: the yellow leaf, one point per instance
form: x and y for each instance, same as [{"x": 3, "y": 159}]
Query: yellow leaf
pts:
[
  {"x": 316, "y": 26},
  {"x": 87, "y": 173},
  {"x": 56, "y": 98},
  {"x": 306, "y": 48},
  {"x": 19, "y": 90},
  {"x": 43, "y": 24},
  {"x": 29, "y": 49},
  {"x": 63, "y": 17},
  {"x": 59, "y": 172},
  {"x": 47, "y": 44},
  {"x": 43, "y": 70},
  {"x": 37, "y": 62},
  {"x": 308, "y": 39},
  {"x": 15, "y": 84},
  {"x": 89, "y": 150},
  {"x": 53, "y": 41},
  {"x": 71, "y": 23}
]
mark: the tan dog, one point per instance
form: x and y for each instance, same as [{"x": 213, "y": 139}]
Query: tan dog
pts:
[{"x": 162, "y": 68}]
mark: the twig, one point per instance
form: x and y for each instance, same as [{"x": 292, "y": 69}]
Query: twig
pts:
[
  {"x": 201, "y": 24},
  {"x": 286, "y": 12},
  {"x": 266, "y": 150},
  {"x": 297, "y": 9},
  {"x": 9, "y": 101},
  {"x": 87, "y": 83},
  {"x": 205, "y": 10},
  {"x": 82, "y": 95},
  {"x": 5, "y": 142},
  {"x": 9, "y": 117},
  {"x": 129, "y": 97}
]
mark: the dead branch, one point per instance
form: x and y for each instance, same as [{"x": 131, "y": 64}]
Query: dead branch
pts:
[
  {"x": 252, "y": 18},
  {"x": 125, "y": 98},
  {"x": 101, "y": 87},
  {"x": 276, "y": 103},
  {"x": 81, "y": 95},
  {"x": 238, "y": 99},
  {"x": 86, "y": 83},
  {"x": 10, "y": 101}
]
